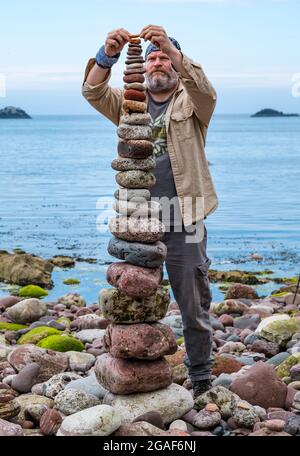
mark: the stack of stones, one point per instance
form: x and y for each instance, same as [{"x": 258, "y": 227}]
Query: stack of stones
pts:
[{"x": 135, "y": 341}]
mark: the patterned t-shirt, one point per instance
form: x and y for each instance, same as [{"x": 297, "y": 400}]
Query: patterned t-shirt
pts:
[{"x": 165, "y": 185}]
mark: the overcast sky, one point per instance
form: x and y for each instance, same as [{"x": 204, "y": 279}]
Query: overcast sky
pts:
[{"x": 248, "y": 48}]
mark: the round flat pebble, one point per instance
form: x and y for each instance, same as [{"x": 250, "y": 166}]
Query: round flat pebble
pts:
[
  {"x": 137, "y": 229},
  {"x": 134, "y": 71},
  {"x": 129, "y": 164},
  {"x": 128, "y": 132},
  {"x": 135, "y": 85},
  {"x": 134, "y": 78},
  {"x": 132, "y": 94},
  {"x": 136, "y": 119},
  {"x": 135, "y": 179},
  {"x": 132, "y": 65},
  {"x": 135, "y": 148},
  {"x": 128, "y": 208},
  {"x": 138, "y": 195},
  {"x": 147, "y": 255},
  {"x": 134, "y": 106}
]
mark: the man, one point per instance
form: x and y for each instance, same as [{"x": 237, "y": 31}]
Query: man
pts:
[{"x": 181, "y": 101}]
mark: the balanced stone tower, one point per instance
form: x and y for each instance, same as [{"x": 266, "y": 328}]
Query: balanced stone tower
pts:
[{"x": 136, "y": 342}]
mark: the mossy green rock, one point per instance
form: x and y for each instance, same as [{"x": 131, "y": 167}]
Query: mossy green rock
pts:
[
  {"x": 71, "y": 281},
  {"x": 32, "y": 291},
  {"x": 284, "y": 369},
  {"x": 35, "y": 335},
  {"x": 280, "y": 331},
  {"x": 11, "y": 326},
  {"x": 61, "y": 343},
  {"x": 64, "y": 321}
]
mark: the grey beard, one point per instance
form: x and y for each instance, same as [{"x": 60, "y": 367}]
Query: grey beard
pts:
[{"x": 163, "y": 83}]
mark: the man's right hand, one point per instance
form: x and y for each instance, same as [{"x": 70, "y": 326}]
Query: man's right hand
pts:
[{"x": 115, "y": 41}]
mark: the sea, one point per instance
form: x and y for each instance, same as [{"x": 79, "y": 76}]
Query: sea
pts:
[{"x": 57, "y": 184}]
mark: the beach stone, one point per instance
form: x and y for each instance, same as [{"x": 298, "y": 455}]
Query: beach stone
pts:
[
  {"x": 120, "y": 308},
  {"x": 8, "y": 301},
  {"x": 278, "y": 359},
  {"x": 292, "y": 426},
  {"x": 260, "y": 386},
  {"x": 223, "y": 380},
  {"x": 284, "y": 369},
  {"x": 125, "y": 376},
  {"x": 128, "y": 132},
  {"x": 244, "y": 415},
  {"x": 80, "y": 361},
  {"x": 25, "y": 400},
  {"x": 50, "y": 422},
  {"x": 133, "y": 280},
  {"x": 130, "y": 65},
  {"x": 240, "y": 290},
  {"x": 139, "y": 254},
  {"x": 142, "y": 229},
  {"x": 89, "y": 335},
  {"x": 132, "y": 94},
  {"x": 143, "y": 428},
  {"x": 295, "y": 372},
  {"x": 268, "y": 348},
  {"x": 226, "y": 320},
  {"x": 171, "y": 402},
  {"x": 50, "y": 362},
  {"x": 279, "y": 414},
  {"x": 35, "y": 412},
  {"x": 229, "y": 306},
  {"x": 100, "y": 420},
  {"x": 70, "y": 401},
  {"x": 8, "y": 429},
  {"x": 72, "y": 299},
  {"x": 278, "y": 328},
  {"x": 232, "y": 347},
  {"x": 133, "y": 164},
  {"x": 130, "y": 208},
  {"x": 206, "y": 420},
  {"x": 25, "y": 379},
  {"x": 135, "y": 195},
  {"x": 274, "y": 425},
  {"x": 296, "y": 402},
  {"x": 137, "y": 86},
  {"x": 135, "y": 148},
  {"x": 129, "y": 78},
  {"x": 57, "y": 383},
  {"x": 247, "y": 321},
  {"x": 141, "y": 341},
  {"x": 9, "y": 408},
  {"x": 135, "y": 179},
  {"x": 89, "y": 385},
  {"x": 152, "y": 417},
  {"x": 135, "y": 70},
  {"x": 27, "y": 311},
  {"x": 130, "y": 106},
  {"x": 222, "y": 397}
]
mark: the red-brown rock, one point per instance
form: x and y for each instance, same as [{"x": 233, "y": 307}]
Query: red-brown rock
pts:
[
  {"x": 132, "y": 94},
  {"x": 142, "y": 341},
  {"x": 50, "y": 422},
  {"x": 223, "y": 365},
  {"x": 135, "y": 281},
  {"x": 261, "y": 386},
  {"x": 125, "y": 376},
  {"x": 239, "y": 290}
]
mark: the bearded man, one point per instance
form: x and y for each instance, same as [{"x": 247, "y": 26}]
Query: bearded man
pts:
[{"x": 181, "y": 101}]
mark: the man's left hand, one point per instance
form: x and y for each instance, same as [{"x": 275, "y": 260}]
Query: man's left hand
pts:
[{"x": 158, "y": 36}]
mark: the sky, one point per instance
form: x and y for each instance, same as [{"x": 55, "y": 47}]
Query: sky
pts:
[{"x": 249, "y": 49}]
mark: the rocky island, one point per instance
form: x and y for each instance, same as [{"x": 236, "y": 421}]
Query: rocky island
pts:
[
  {"x": 272, "y": 113},
  {"x": 10, "y": 112}
]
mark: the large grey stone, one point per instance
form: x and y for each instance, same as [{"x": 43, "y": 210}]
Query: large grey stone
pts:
[
  {"x": 70, "y": 401},
  {"x": 27, "y": 311},
  {"x": 147, "y": 255}
]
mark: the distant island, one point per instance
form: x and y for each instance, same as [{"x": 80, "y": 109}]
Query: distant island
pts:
[
  {"x": 10, "y": 112},
  {"x": 272, "y": 113}
]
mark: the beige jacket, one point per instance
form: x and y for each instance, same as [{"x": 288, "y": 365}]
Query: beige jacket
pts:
[{"x": 187, "y": 119}]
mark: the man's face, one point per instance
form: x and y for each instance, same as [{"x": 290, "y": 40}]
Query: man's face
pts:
[{"x": 160, "y": 75}]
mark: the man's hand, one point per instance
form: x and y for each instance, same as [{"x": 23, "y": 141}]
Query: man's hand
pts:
[
  {"x": 158, "y": 36},
  {"x": 115, "y": 41}
]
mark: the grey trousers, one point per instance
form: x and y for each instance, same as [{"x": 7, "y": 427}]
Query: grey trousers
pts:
[{"x": 187, "y": 266}]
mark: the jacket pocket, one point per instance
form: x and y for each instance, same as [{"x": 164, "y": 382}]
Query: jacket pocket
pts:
[{"x": 183, "y": 123}]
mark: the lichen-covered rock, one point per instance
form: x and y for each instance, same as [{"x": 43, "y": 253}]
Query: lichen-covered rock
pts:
[
  {"x": 278, "y": 328},
  {"x": 141, "y": 341},
  {"x": 142, "y": 229},
  {"x": 119, "y": 308},
  {"x": 126, "y": 376},
  {"x": 284, "y": 369},
  {"x": 244, "y": 415},
  {"x": 101, "y": 420},
  {"x": 130, "y": 164},
  {"x": 171, "y": 402},
  {"x": 133, "y": 280},
  {"x": 239, "y": 290},
  {"x": 70, "y": 401},
  {"x": 35, "y": 335},
  {"x": 32, "y": 291},
  {"x": 50, "y": 362},
  {"x": 25, "y": 269},
  {"x": 147, "y": 255},
  {"x": 229, "y": 306},
  {"x": 27, "y": 311},
  {"x": 225, "y": 400},
  {"x": 206, "y": 419},
  {"x": 61, "y": 343},
  {"x": 135, "y": 179},
  {"x": 72, "y": 299}
]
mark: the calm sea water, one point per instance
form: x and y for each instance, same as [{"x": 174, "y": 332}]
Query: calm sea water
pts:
[{"x": 54, "y": 169}]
